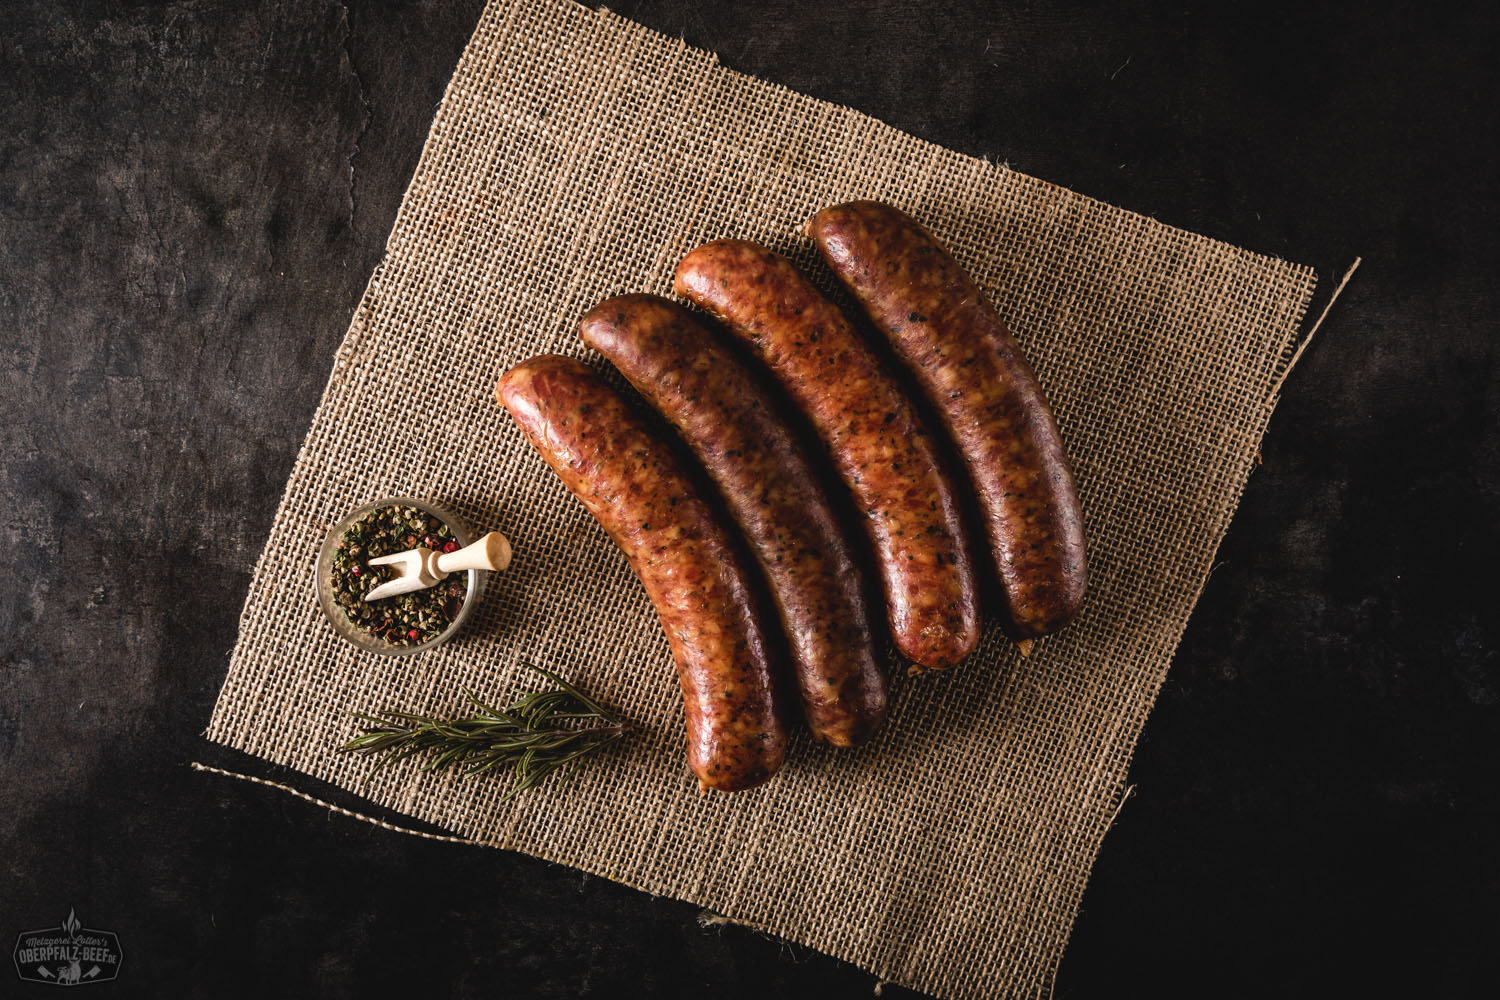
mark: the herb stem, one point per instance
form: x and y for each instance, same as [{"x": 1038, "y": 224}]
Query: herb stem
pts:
[{"x": 535, "y": 736}]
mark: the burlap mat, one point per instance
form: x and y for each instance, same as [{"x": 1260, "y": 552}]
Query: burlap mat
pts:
[{"x": 577, "y": 155}]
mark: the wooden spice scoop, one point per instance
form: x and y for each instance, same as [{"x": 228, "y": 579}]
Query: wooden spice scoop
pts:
[{"x": 420, "y": 568}]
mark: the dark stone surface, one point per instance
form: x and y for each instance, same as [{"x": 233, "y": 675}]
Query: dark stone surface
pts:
[{"x": 192, "y": 195}]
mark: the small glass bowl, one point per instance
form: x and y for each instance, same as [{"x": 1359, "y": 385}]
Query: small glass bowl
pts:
[{"x": 363, "y": 640}]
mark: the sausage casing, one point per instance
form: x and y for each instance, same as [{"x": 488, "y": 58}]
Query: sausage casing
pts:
[
  {"x": 730, "y": 422},
  {"x": 683, "y": 553},
  {"x": 870, "y": 430},
  {"x": 976, "y": 377}
]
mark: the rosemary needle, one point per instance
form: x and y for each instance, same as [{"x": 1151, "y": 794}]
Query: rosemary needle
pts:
[{"x": 538, "y": 734}]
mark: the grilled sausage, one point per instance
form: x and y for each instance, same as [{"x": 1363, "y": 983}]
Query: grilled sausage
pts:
[
  {"x": 875, "y": 438},
  {"x": 631, "y": 481},
  {"x": 730, "y": 422},
  {"x": 973, "y": 372}
]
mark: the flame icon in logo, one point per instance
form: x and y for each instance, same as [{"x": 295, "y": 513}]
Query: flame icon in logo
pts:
[{"x": 72, "y": 924}]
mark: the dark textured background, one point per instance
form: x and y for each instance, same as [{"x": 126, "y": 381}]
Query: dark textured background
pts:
[{"x": 192, "y": 195}]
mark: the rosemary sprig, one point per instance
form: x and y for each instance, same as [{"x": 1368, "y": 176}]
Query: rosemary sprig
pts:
[{"x": 538, "y": 734}]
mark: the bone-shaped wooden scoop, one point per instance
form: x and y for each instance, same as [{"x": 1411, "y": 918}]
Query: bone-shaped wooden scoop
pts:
[{"x": 420, "y": 568}]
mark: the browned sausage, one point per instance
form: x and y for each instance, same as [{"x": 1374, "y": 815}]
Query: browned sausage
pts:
[
  {"x": 870, "y": 430},
  {"x": 974, "y": 373},
  {"x": 729, "y": 420},
  {"x": 630, "y": 480}
]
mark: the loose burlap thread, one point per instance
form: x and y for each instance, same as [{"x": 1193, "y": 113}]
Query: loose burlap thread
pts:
[{"x": 577, "y": 155}]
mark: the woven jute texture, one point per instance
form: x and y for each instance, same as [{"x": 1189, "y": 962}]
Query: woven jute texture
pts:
[{"x": 577, "y": 155}]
